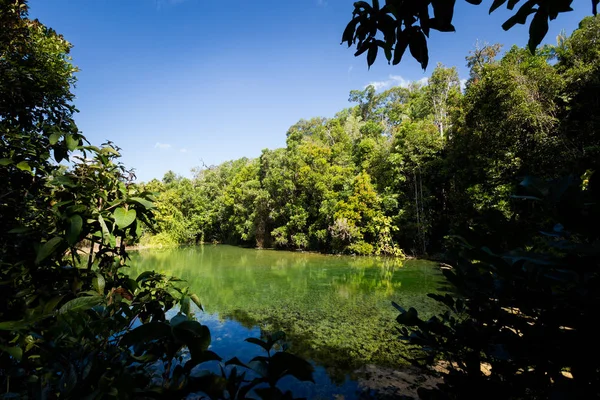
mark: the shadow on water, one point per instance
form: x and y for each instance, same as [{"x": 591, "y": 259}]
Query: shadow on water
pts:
[{"x": 335, "y": 310}]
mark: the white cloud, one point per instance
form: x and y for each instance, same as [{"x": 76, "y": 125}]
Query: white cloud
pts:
[
  {"x": 394, "y": 80},
  {"x": 463, "y": 84},
  {"x": 184, "y": 150},
  {"x": 160, "y": 145}
]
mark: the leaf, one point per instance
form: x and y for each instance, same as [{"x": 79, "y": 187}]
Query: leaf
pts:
[
  {"x": 259, "y": 342},
  {"x": 372, "y": 54},
  {"x": 236, "y": 361},
  {"x": 398, "y": 307},
  {"x": 71, "y": 142},
  {"x": 185, "y": 305},
  {"x": 24, "y": 166},
  {"x": 146, "y": 333},
  {"x": 80, "y": 304},
  {"x": 410, "y": 318},
  {"x": 179, "y": 318},
  {"x": 142, "y": 202},
  {"x": 74, "y": 229},
  {"x": 196, "y": 301},
  {"x": 145, "y": 276},
  {"x": 5, "y": 161},
  {"x": 512, "y": 3},
  {"x": 348, "y": 34},
  {"x": 521, "y": 16},
  {"x": 63, "y": 180},
  {"x": 13, "y": 325},
  {"x": 474, "y": 2},
  {"x": 400, "y": 48},
  {"x": 99, "y": 283},
  {"x": 443, "y": 10},
  {"x": 48, "y": 248},
  {"x": 54, "y": 138},
  {"x": 538, "y": 29},
  {"x": 442, "y": 26},
  {"x": 359, "y": 50},
  {"x": 51, "y": 305},
  {"x": 418, "y": 48},
  {"x": 20, "y": 229},
  {"x": 283, "y": 363},
  {"x": 15, "y": 352},
  {"x": 363, "y": 4},
  {"x": 124, "y": 218},
  {"x": 105, "y": 232},
  {"x": 60, "y": 154},
  {"x": 109, "y": 150},
  {"x": 194, "y": 335}
]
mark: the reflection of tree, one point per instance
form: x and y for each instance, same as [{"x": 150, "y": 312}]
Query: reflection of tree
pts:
[{"x": 335, "y": 310}]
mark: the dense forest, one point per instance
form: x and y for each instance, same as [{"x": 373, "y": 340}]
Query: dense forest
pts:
[
  {"x": 504, "y": 170},
  {"x": 404, "y": 168}
]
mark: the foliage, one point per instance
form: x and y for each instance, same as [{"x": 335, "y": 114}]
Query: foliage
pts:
[
  {"x": 432, "y": 160},
  {"x": 402, "y": 24},
  {"x": 72, "y": 323},
  {"x": 520, "y": 320},
  {"x": 525, "y": 317}
]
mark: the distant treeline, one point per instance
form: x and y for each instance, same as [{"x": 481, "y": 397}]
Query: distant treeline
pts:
[{"x": 405, "y": 167}]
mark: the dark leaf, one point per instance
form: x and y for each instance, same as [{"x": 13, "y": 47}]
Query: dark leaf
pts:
[
  {"x": 418, "y": 48},
  {"x": 410, "y": 318},
  {"x": 537, "y": 29},
  {"x": 521, "y": 16},
  {"x": 80, "y": 304},
  {"x": 13, "y": 325},
  {"x": 179, "y": 318},
  {"x": 443, "y": 11},
  {"x": 283, "y": 363},
  {"x": 194, "y": 335},
  {"x": 260, "y": 343},
  {"x": 146, "y": 333},
  {"x": 74, "y": 229},
  {"x": 441, "y": 26},
  {"x": 142, "y": 202},
  {"x": 348, "y": 35},
  {"x": 236, "y": 361},
  {"x": 512, "y": 4},
  {"x": 372, "y": 54},
  {"x": 401, "y": 46},
  {"x": 48, "y": 248}
]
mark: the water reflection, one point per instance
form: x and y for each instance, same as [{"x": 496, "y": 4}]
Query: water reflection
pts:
[{"x": 335, "y": 310}]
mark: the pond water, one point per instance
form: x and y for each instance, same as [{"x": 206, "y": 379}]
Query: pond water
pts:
[{"x": 335, "y": 310}]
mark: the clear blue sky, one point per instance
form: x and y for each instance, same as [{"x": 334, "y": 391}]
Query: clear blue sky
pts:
[{"x": 174, "y": 82}]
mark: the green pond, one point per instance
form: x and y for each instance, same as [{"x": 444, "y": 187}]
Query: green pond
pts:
[{"x": 336, "y": 310}]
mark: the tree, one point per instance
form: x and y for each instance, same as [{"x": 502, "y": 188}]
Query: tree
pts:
[
  {"x": 482, "y": 55},
  {"x": 402, "y": 24},
  {"x": 443, "y": 90}
]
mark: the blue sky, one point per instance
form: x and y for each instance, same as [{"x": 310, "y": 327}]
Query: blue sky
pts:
[{"x": 176, "y": 83}]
